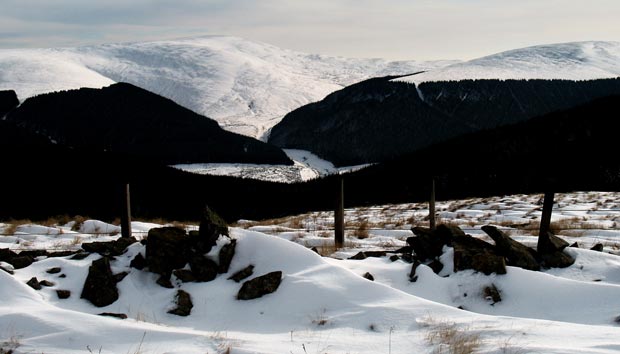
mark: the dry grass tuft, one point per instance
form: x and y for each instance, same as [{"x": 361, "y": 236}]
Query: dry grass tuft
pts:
[{"x": 448, "y": 338}]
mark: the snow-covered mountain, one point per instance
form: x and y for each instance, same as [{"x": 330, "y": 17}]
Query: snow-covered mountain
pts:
[
  {"x": 246, "y": 86},
  {"x": 568, "y": 61}
]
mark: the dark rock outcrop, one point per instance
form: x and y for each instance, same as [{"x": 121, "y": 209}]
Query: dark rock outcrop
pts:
[
  {"x": 63, "y": 294},
  {"x": 6, "y": 254},
  {"x": 109, "y": 248},
  {"x": 184, "y": 304},
  {"x": 472, "y": 253},
  {"x": 167, "y": 248},
  {"x": 203, "y": 268},
  {"x": 426, "y": 244},
  {"x": 226, "y": 256},
  {"x": 100, "y": 285},
  {"x": 20, "y": 261},
  {"x": 34, "y": 283},
  {"x": 54, "y": 270},
  {"x": 210, "y": 229},
  {"x": 598, "y": 247},
  {"x": 260, "y": 286},
  {"x": 184, "y": 275},
  {"x": 550, "y": 243},
  {"x": 516, "y": 254},
  {"x": 138, "y": 262}
]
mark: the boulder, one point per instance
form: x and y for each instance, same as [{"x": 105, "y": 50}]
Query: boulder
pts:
[
  {"x": 34, "y": 283},
  {"x": 598, "y": 247},
  {"x": 184, "y": 275},
  {"x": 226, "y": 256},
  {"x": 472, "y": 253},
  {"x": 210, "y": 229},
  {"x": 164, "y": 281},
  {"x": 34, "y": 253},
  {"x": 20, "y": 261},
  {"x": 491, "y": 294},
  {"x": 109, "y": 248},
  {"x": 243, "y": 274},
  {"x": 425, "y": 244},
  {"x": 183, "y": 303},
  {"x": 6, "y": 254},
  {"x": 412, "y": 276},
  {"x": 46, "y": 283},
  {"x": 63, "y": 294},
  {"x": 53, "y": 270},
  {"x": 557, "y": 259},
  {"x": 436, "y": 265},
  {"x": 138, "y": 262},
  {"x": 203, "y": 268},
  {"x": 167, "y": 248},
  {"x": 516, "y": 254},
  {"x": 447, "y": 233},
  {"x": 368, "y": 276},
  {"x": 100, "y": 285},
  {"x": 550, "y": 243},
  {"x": 260, "y": 286}
]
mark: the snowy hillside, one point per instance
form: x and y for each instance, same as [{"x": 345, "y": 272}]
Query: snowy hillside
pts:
[
  {"x": 246, "y": 86},
  {"x": 572, "y": 61}
]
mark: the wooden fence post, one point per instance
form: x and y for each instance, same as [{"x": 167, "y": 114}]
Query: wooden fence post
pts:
[
  {"x": 431, "y": 207},
  {"x": 125, "y": 212},
  {"x": 339, "y": 215},
  {"x": 545, "y": 219}
]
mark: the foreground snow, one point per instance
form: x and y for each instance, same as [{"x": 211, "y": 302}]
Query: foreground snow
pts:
[
  {"x": 324, "y": 305},
  {"x": 246, "y": 86},
  {"x": 568, "y": 61}
]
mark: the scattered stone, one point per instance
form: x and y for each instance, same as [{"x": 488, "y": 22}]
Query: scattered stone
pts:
[
  {"x": 80, "y": 255},
  {"x": 436, "y": 266},
  {"x": 54, "y": 270},
  {"x": 34, "y": 283},
  {"x": 167, "y": 248},
  {"x": 226, "y": 255},
  {"x": 369, "y": 276},
  {"x": 120, "y": 276},
  {"x": 63, "y": 294},
  {"x": 516, "y": 254},
  {"x": 62, "y": 276},
  {"x": 257, "y": 287},
  {"x": 138, "y": 262},
  {"x": 203, "y": 268},
  {"x": 110, "y": 248},
  {"x": 394, "y": 257},
  {"x": 210, "y": 229},
  {"x": 100, "y": 286},
  {"x": 20, "y": 261},
  {"x": 164, "y": 281},
  {"x": 491, "y": 293},
  {"x": 184, "y": 275},
  {"x": 243, "y": 274},
  {"x": 598, "y": 247},
  {"x": 46, "y": 283},
  {"x": 122, "y": 316},
  {"x": 183, "y": 304}
]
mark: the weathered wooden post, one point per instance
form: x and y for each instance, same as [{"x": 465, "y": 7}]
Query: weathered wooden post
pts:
[
  {"x": 125, "y": 212},
  {"x": 339, "y": 215},
  {"x": 431, "y": 206},
  {"x": 545, "y": 219}
]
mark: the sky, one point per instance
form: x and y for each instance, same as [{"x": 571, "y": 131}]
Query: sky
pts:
[{"x": 392, "y": 29}]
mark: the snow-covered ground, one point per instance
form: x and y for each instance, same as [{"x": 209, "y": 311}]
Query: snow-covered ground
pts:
[
  {"x": 246, "y": 86},
  {"x": 324, "y": 305},
  {"x": 569, "y": 61},
  {"x": 306, "y": 166}
]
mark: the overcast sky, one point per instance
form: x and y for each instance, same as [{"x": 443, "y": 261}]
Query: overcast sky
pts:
[{"x": 394, "y": 29}]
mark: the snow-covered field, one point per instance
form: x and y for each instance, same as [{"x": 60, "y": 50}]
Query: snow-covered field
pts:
[
  {"x": 246, "y": 86},
  {"x": 324, "y": 305},
  {"x": 567, "y": 61}
]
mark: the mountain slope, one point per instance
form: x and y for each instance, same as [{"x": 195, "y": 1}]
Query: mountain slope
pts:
[
  {"x": 126, "y": 119},
  {"x": 246, "y": 86},
  {"x": 568, "y": 61}
]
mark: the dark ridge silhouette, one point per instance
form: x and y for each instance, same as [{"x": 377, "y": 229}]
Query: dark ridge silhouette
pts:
[
  {"x": 8, "y": 101},
  {"x": 381, "y": 120},
  {"x": 126, "y": 119}
]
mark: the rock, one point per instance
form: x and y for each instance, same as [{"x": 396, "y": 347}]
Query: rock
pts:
[
  {"x": 243, "y": 274},
  {"x": 260, "y": 286},
  {"x": 574, "y": 245},
  {"x": 122, "y": 316},
  {"x": 550, "y": 243},
  {"x": 6, "y": 254},
  {"x": 203, "y": 268},
  {"x": 375, "y": 254},
  {"x": 34, "y": 283},
  {"x": 20, "y": 261},
  {"x": 425, "y": 244},
  {"x": 167, "y": 248},
  {"x": 164, "y": 281},
  {"x": 183, "y": 303},
  {"x": 226, "y": 256},
  {"x": 315, "y": 250},
  {"x": 100, "y": 285},
  {"x": 598, "y": 247},
  {"x": 61, "y": 254},
  {"x": 109, "y": 248},
  {"x": 557, "y": 259},
  {"x": 33, "y": 253},
  {"x": 412, "y": 276},
  {"x": 80, "y": 255},
  {"x": 369, "y": 276},
  {"x": 63, "y": 294},
  {"x": 138, "y": 262},
  {"x": 358, "y": 256},
  {"x": 184, "y": 275},
  {"x": 46, "y": 283},
  {"x": 491, "y": 294},
  {"x": 394, "y": 258},
  {"x": 472, "y": 253},
  {"x": 436, "y": 266},
  {"x": 120, "y": 276},
  {"x": 447, "y": 233},
  {"x": 516, "y": 254},
  {"x": 211, "y": 227},
  {"x": 53, "y": 270},
  {"x": 62, "y": 276},
  {"x": 6, "y": 267}
]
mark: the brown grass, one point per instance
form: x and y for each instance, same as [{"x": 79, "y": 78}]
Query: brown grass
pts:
[
  {"x": 449, "y": 338},
  {"x": 12, "y": 226}
]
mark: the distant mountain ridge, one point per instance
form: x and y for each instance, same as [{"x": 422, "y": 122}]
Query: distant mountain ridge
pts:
[
  {"x": 126, "y": 119},
  {"x": 246, "y": 86}
]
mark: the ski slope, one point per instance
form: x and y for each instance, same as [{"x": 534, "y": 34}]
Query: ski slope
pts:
[{"x": 246, "y": 86}]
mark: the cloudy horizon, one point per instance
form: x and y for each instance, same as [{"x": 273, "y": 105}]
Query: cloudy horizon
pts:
[{"x": 393, "y": 29}]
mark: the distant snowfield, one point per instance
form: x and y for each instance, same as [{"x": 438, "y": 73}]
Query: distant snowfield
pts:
[
  {"x": 324, "y": 305},
  {"x": 569, "y": 61},
  {"x": 246, "y": 86},
  {"x": 306, "y": 166}
]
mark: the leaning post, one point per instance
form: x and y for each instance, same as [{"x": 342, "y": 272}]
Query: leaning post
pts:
[
  {"x": 545, "y": 220},
  {"x": 125, "y": 212},
  {"x": 431, "y": 206},
  {"x": 339, "y": 215}
]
